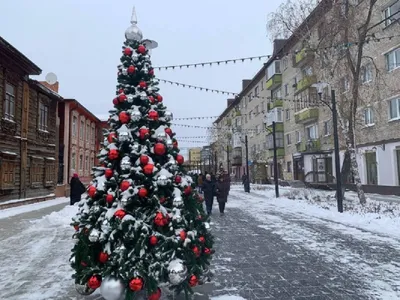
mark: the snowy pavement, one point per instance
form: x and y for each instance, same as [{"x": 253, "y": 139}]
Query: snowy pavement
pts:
[{"x": 265, "y": 249}]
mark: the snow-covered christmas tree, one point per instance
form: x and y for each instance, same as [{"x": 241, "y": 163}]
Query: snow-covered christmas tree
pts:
[{"x": 142, "y": 229}]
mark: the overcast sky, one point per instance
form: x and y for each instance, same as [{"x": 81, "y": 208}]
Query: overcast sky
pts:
[{"x": 81, "y": 40}]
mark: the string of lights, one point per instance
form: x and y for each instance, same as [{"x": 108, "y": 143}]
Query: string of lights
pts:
[
  {"x": 370, "y": 39},
  {"x": 196, "y": 118}
]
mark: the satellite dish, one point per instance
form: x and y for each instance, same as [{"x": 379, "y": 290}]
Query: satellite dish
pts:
[
  {"x": 51, "y": 78},
  {"x": 150, "y": 44}
]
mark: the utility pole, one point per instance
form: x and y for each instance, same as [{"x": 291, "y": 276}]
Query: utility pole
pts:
[
  {"x": 246, "y": 144},
  {"x": 227, "y": 158},
  {"x": 339, "y": 195},
  {"x": 276, "y": 175},
  {"x": 215, "y": 163}
]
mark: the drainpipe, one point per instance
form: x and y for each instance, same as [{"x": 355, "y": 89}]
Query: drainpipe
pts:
[{"x": 69, "y": 138}]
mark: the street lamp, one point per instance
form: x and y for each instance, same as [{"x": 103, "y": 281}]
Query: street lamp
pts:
[
  {"x": 276, "y": 177},
  {"x": 246, "y": 145},
  {"x": 339, "y": 196}
]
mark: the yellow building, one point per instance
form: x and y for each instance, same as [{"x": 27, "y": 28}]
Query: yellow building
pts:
[{"x": 194, "y": 156}]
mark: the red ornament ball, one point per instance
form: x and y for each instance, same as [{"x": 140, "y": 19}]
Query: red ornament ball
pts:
[
  {"x": 143, "y": 133},
  {"x": 153, "y": 115},
  {"x": 94, "y": 282},
  {"x": 202, "y": 239},
  {"x": 120, "y": 214},
  {"x": 92, "y": 191},
  {"x": 108, "y": 173},
  {"x": 178, "y": 179},
  {"x": 207, "y": 251},
  {"x": 76, "y": 227},
  {"x": 188, "y": 190},
  {"x": 193, "y": 281},
  {"x": 144, "y": 159},
  {"x": 155, "y": 295},
  {"x": 168, "y": 131},
  {"x": 109, "y": 198},
  {"x": 183, "y": 235},
  {"x": 159, "y": 149},
  {"x": 159, "y": 98},
  {"x": 125, "y": 184},
  {"x": 196, "y": 251},
  {"x": 180, "y": 159},
  {"x": 143, "y": 84},
  {"x": 111, "y": 137},
  {"x": 122, "y": 98},
  {"x": 131, "y": 69},
  {"x": 151, "y": 72},
  {"x": 141, "y": 49},
  {"x": 115, "y": 101},
  {"x": 159, "y": 220},
  {"x": 153, "y": 240},
  {"x": 128, "y": 51},
  {"x": 162, "y": 200},
  {"x": 113, "y": 154},
  {"x": 124, "y": 117},
  {"x": 148, "y": 169},
  {"x": 121, "y": 91},
  {"x": 103, "y": 257},
  {"x": 136, "y": 284},
  {"x": 152, "y": 100},
  {"x": 175, "y": 144},
  {"x": 201, "y": 199},
  {"x": 142, "y": 193}
]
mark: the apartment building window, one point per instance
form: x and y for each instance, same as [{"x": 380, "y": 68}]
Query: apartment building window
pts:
[
  {"x": 250, "y": 114},
  {"x": 279, "y": 140},
  {"x": 312, "y": 132},
  {"x": 276, "y": 94},
  {"x": 279, "y": 115},
  {"x": 250, "y": 97},
  {"x": 390, "y": 14},
  {"x": 327, "y": 128},
  {"x": 394, "y": 109},
  {"x": 82, "y": 130},
  {"x": 393, "y": 59},
  {"x": 81, "y": 162},
  {"x": 289, "y": 167},
  {"x": 286, "y": 89},
  {"x": 263, "y": 106},
  {"x": 345, "y": 84},
  {"x": 73, "y": 160},
  {"x": 9, "y": 102},
  {"x": 87, "y": 163},
  {"x": 43, "y": 116},
  {"x": 258, "y": 129},
  {"x": 288, "y": 139},
  {"x": 366, "y": 73},
  {"x": 298, "y": 137},
  {"x": 74, "y": 126},
  {"x": 257, "y": 110},
  {"x": 287, "y": 112},
  {"x": 245, "y": 119},
  {"x": 93, "y": 136},
  {"x": 256, "y": 91},
  {"x": 262, "y": 84},
  {"x": 87, "y": 133},
  {"x": 368, "y": 116}
]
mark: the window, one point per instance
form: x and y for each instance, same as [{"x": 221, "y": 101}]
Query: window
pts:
[
  {"x": 366, "y": 73},
  {"x": 82, "y": 130},
  {"x": 393, "y": 59},
  {"x": 7, "y": 173},
  {"x": 368, "y": 116},
  {"x": 87, "y": 163},
  {"x": 327, "y": 128},
  {"x": 250, "y": 113},
  {"x": 298, "y": 137},
  {"x": 287, "y": 114},
  {"x": 286, "y": 89},
  {"x": 279, "y": 115},
  {"x": 394, "y": 109},
  {"x": 312, "y": 132},
  {"x": 87, "y": 133},
  {"x": 345, "y": 84},
  {"x": 390, "y": 14},
  {"x": 36, "y": 173},
  {"x": 93, "y": 136},
  {"x": 49, "y": 174},
  {"x": 274, "y": 68},
  {"x": 251, "y": 96},
  {"x": 256, "y": 110},
  {"x": 73, "y": 161},
  {"x": 258, "y": 129},
  {"x": 276, "y": 94},
  {"x": 262, "y": 84},
  {"x": 256, "y": 91},
  {"x": 288, "y": 139},
  {"x": 245, "y": 119},
  {"x": 43, "y": 116},
  {"x": 9, "y": 102},
  {"x": 289, "y": 166},
  {"x": 263, "y": 106},
  {"x": 81, "y": 162},
  {"x": 285, "y": 63},
  {"x": 279, "y": 140},
  {"x": 74, "y": 126}
]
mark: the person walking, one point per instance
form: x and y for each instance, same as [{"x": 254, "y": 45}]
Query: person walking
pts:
[
  {"x": 76, "y": 189},
  {"x": 222, "y": 192},
  {"x": 200, "y": 182},
  {"x": 209, "y": 192}
]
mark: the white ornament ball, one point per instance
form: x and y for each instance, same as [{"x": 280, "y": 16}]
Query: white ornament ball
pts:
[
  {"x": 125, "y": 164},
  {"x": 177, "y": 271},
  {"x": 124, "y": 201},
  {"x": 131, "y": 98},
  {"x": 168, "y": 116},
  {"x": 123, "y": 136},
  {"x": 83, "y": 290},
  {"x": 162, "y": 180},
  {"x": 136, "y": 115},
  {"x": 112, "y": 288},
  {"x": 94, "y": 235}
]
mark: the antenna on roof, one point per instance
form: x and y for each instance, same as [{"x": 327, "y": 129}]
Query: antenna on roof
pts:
[{"x": 51, "y": 78}]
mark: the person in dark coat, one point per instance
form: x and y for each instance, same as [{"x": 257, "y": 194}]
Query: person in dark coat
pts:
[
  {"x": 209, "y": 192},
  {"x": 77, "y": 189},
  {"x": 222, "y": 192}
]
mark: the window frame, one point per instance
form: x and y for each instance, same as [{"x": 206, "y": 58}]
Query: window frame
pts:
[
  {"x": 397, "y": 100},
  {"x": 368, "y": 115},
  {"x": 43, "y": 120},
  {"x": 396, "y": 56},
  {"x": 327, "y": 128},
  {"x": 288, "y": 139},
  {"x": 9, "y": 98}
]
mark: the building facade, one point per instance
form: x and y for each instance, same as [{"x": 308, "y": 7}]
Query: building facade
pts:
[
  {"x": 28, "y": 129},
  {"x": 194, "y": 156},
  {"x": 80, "y": 139}
]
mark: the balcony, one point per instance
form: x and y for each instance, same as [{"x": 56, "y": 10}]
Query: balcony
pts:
[
  {"x": 305, "y": 82},
  {"x": 309, "y": 146},
  {"x": 274, "y": 81},
  {"x": 275, "y": 103},
  {"x": 302, "y": 57},
  {"x": 306, "y": 115},
  {"x": 280, "y": 152},
  {"x": 278, "y": 127}
]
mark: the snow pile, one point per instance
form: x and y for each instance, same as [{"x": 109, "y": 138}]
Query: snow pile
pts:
[{"x": 227, "y": 297}]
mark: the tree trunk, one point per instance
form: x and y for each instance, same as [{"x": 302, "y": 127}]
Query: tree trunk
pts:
[
  {"x": 345, "y": 172},
  {"x": 356, "y": 174}
]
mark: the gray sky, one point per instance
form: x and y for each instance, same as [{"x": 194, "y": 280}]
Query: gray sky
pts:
[{"x": 81, "y": 40}]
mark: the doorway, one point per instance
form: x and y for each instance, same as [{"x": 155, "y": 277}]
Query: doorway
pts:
[
  {"x": 372, "y": 168},
  {"x": 298, "y": 169}
]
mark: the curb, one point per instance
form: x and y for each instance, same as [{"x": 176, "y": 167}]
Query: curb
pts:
[{"x": 26, "y": 202}]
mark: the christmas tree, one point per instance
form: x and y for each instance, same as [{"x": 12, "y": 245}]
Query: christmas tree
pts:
[{"x": 142, "y": 227}]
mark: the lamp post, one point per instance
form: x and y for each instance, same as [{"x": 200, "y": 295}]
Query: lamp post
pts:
[
  {"x": 276, "y": 175},
  {"x": 247, "y": 185},
  {"x": 339, "y": 196}
]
